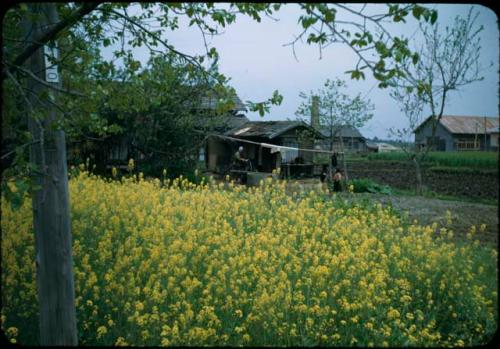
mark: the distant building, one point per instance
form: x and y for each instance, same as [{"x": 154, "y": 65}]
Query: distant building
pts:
[
  {"x": 345, "y": 137},
  {"x": 381, "y": 147},
  {"x": 493, "y": 132},
  {"x": 459, "y": 133},
  {"x": 352, "y": 139},
  {"x": 202, "y": 116},
  {"x": 257, "y": 138}
]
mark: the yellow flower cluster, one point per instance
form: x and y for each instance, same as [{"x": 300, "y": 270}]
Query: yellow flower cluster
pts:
[{"x": 173, "y": 263}]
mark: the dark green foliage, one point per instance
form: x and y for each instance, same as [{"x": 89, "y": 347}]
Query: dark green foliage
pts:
[
  {"x": 364, "y": 185},
  {"x": 447, "y": 159}
]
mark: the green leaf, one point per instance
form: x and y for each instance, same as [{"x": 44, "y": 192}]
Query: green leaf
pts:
[
  {"x": 379, "y": 76},
  {"x": 381, "y": 49},
  {"x": 277, "y": 98},
  {"x": 415, "y": 58},
  {"x": 260, "y": 108},
  {"x": 356, "y": 74},
  {"x": 212, "y": 52},
  {"x": 417, "y": 11},
  {"x": 330, "y": 15},
  {"x": 380, "y": 65},
  {"x": 362, "y": 43},
  {"x": 434, "y": 17},
  {"x": 219, "y": 18},
  {"x": 307, "y": 21}
]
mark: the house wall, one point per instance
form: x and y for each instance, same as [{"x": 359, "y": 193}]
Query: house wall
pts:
[
  {"x": 494, "y": 140},
  {"x": 351, "y": 144},
  {"x": 289, "y": 155},
  {"x": 445, "y": 138},
  {"x": 453, "y": 142},
  {"x": 478, "y": 140},
  {"x": 261, "y": 157},
  {"x": 291, "y": 139},
  {"x": 217, "y": 154}
]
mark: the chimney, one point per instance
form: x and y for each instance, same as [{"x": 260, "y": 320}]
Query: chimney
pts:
[{"x": 315, "y": 112}]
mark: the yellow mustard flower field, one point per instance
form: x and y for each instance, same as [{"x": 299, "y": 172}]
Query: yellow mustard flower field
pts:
[{"x": 174, "y": 263}]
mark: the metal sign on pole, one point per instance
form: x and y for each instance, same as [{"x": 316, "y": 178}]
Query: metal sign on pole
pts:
[{"x": 51, "y": 55}]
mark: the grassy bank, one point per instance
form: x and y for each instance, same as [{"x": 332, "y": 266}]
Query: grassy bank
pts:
[{"x": 473, "y": 160}]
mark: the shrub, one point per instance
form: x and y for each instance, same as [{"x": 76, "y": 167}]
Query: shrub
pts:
[{"x": 365, "y": 185}]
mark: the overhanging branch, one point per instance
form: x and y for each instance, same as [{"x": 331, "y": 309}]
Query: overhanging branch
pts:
[{"x": 54, "y": 31}]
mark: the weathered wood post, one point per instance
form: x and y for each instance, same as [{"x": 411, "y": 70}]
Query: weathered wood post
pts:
[{"x": 51, "y": 211}]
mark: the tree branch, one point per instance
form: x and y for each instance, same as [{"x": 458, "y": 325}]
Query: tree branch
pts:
[
  {"x": 44, "y": 83},
  {"x": 6, "y": 155},
  {"x": 187, "y": 57},
  {"x": 54, "y": 31}
]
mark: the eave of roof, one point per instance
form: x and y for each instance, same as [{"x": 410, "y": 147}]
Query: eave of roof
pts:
[
  {"x": 275, "y": 129},
  {"x": 462, "y": 124}
]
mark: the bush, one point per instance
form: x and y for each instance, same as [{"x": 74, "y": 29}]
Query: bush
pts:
[{"x": 365, "y": 185}]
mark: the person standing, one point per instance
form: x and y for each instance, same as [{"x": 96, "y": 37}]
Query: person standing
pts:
[
  {"x": 334, "y": 160},
  {"x": 324, "y": 173},
  {"x": 337, "y": 177}
]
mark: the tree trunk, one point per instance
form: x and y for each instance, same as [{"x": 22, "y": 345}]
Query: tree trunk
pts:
[
  {"x": 330, "y": 170},
  {"x": 418, "y": 173},
  {"x": 344, "y": 164},
  {"x": 51, "y": 212}
]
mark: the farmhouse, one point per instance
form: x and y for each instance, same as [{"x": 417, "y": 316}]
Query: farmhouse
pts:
[
  {"x": 258, "y": 138},
  {"x": 381, "y": 147},
  {"x": 493, "y": 132},
  {"x": 344, "y": 137},
  {"x": 352, "y": 139},
  {"x": 459, "y": 133}
]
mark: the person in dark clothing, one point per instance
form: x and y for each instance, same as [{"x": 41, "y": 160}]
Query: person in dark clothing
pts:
[
  {"x": 240, "y": 161},
  {"x": 334, "y": 160},
  {"x": 337, "y": 177},
  {"x": 324, "y": 173}
]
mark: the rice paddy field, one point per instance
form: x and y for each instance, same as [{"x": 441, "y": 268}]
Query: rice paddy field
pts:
[
  {"x": 448, "y": 159},
  {"x": 169, "y": 263}
]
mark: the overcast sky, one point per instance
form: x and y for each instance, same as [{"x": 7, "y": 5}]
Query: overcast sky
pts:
[{"x": 253, "y": 55}]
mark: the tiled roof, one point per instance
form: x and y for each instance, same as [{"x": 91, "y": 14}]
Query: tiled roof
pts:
[
  {"x": 266, "y": 129},
  {"x": 345, "y": 132},
  {"x": 220, "y": 123},
  {"x": 493, "y": 130},
  {"x": 466, "y": 124},
  {"x": 211, "y": 103}
]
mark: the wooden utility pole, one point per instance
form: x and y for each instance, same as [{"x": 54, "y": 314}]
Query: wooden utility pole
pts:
[
  {"x": 486, "y": 145},
  {"x": 51, "y": 212}
]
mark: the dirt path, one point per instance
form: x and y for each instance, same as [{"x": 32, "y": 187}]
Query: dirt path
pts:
[{"x": 427, "y": 211}]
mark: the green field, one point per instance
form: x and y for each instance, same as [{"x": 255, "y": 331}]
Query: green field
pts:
[{"x": 452, "y": 159}]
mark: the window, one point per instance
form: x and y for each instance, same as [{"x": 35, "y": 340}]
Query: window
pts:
[
  {"x": 288, "y": 155},
  {"x": 467, "y": 144},
  {"x": 436, "y": 143}
]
